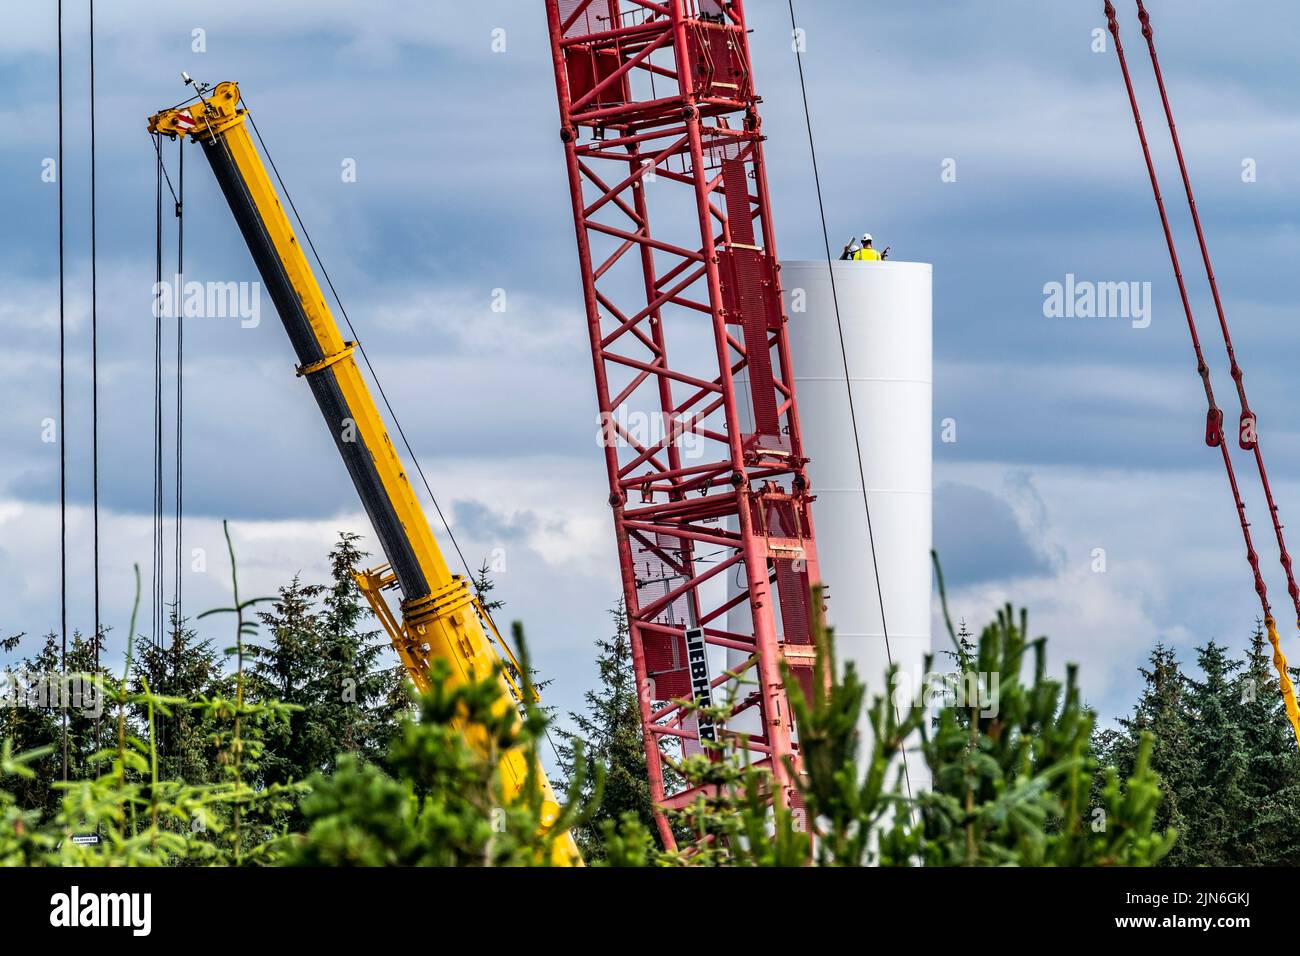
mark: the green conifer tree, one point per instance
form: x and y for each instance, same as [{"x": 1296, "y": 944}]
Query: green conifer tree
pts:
[
  {"x": 610, "y": 729},
  {"x": 340, "y": 676},
  {"x": 1162, "y": 711},
  {"x": 37, "y": 721},
  {"x": 1269, "y": 834},
  {"x": 1217, "y": 802},
  {"x": 190, "y": 669}
]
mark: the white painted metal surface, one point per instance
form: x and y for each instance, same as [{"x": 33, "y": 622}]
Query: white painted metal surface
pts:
[{"x": 885, "y": 311}]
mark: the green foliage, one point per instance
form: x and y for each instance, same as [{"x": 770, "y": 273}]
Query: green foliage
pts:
[
  {"x": 482, "y": 584},
  {"x": 444, "y": 806},
  {"x": 347, "y": 695},
  {"x": 1013, "y": 772},
  {"x": 445, "y": 803},
  {"x": 1226, "y": 754},
  {"x": 186, "y": 669},
  {"x": 1160, "y": 712},
  {"x": 610, "y": 729},
  {"x": 22, "y": 841},
  {"x": 1016, "y": 777},
  {"x": 1269, "y": 834},
  {"x": 848, "y": 809},
  {"x": 441, "y": 802},
  {"x": 38, "y": 724},
  {"x": 140, "y": 819}
]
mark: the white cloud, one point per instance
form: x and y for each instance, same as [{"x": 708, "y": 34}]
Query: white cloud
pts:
[
  {"x": 1175, "y": 571},
  {"x": 559, "y": 576},
  {"x": 461, "y": 184}
]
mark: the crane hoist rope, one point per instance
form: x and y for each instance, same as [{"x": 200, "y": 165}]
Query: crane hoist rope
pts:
[
  {"x": 94, "y": 364},
  {"x": 62, "y": 433},
  {"x": 158, "y": 579},
  {"x": 512, "y": 674},
  {"x": 440, "y": 618},
  {"x": 848, "y": 383},
  {"x": 365, "y": 357},
  {"x": 163, "y": 623},
  {"x": 178, "y": 527},
  {"x": 1214, "y": 437}
]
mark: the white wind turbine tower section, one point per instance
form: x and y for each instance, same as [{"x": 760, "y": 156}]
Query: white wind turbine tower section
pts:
[{"x": 885, "y": 311}]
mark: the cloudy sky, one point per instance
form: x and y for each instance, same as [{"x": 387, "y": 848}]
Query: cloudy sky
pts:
[{"x": 1073, "y": 433}]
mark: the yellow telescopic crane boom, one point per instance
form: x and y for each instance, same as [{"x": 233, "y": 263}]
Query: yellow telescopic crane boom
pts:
[{"x": 440, "y": 617}]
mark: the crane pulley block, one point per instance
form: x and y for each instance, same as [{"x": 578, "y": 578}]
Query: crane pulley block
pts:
[{"x": 1214, "y": 427}]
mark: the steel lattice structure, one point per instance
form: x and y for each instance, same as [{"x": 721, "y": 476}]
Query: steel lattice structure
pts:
[{"x": 694, "y": 382}]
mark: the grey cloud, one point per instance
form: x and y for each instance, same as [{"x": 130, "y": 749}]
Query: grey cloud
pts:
[
  {"x": 979, "y": 539},
  {"x": 471, "y": 196}
]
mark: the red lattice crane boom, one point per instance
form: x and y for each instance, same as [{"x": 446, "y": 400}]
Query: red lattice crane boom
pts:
[{"x": 700, "y": 426}]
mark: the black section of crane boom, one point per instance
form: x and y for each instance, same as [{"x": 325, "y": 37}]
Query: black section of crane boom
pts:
[{"x": 324, "y": 383}]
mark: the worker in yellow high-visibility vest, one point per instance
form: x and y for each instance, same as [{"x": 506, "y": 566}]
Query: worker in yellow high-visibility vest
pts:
[{"x": 866, "y": 252}]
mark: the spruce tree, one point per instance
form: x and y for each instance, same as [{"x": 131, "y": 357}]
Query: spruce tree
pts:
[
  {"x": 610, "y": 728},
  {"x": 192, "y": 670},
  {"x": 1226, "y": 754},
  {"x": 361, "y": 673},
  {"x": 963, "y": 651},
  {"x": 1013, "y": 783},
  {"x": 287, "y": 669},
  {"x": 37, "y": 720},
  {"x": 1161, "y": 710},
  {"x": 321, "y": 661},
  {"x": 1216, "y": 802},
  {"x": 482, "y": 585},
  {"x": 1270, "y": 834}
]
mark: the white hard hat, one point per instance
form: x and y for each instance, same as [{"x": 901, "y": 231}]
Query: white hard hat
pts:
[{"x": 866, "y": 237}]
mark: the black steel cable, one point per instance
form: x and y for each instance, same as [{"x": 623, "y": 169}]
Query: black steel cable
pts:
[
  {"x": 156, "y": 571},
  {"x": 158, "y": 596},
  {"x": 848, "y": 382},
  {"x": 63, "y": 454},
  {"x": 180, "y": 391},
  {"x": 94, "y": 362},
  {"x": 167, "y": 178},
  {"x": 469, "y": 576}
]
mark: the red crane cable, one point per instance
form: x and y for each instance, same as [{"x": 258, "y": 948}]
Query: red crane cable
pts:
[
  {"x": 1249, "y": 423},
  {"x": 1214, "y": 416}
]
